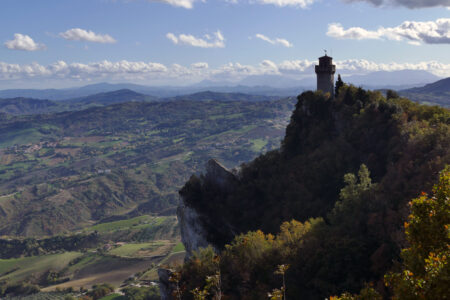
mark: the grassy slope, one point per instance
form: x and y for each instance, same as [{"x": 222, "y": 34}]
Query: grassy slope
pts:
[
  {"x": 131, "y": 250},
  {"x": 114, "y": 297},
  {"x": 138, "y": 222},
  {"x": 111, "y": 265},
  {"x": 16, "y": 270}
]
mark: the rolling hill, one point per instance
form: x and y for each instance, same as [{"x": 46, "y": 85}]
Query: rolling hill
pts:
[
  {"x": 434, "y": 93},
  {"x": 108, "y": 98},
  {"x": 26, "y": 106},
  {"x": 217, "y": 96},
  {"x": 62, "y": 171}
]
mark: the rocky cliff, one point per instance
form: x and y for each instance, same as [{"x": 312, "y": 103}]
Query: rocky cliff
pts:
[
  {"x": 194, "y": 226},
  {"x": 403, "y": 145},
  {"x": 165, "y": 286},
  {"x": 193, "y": 233}
]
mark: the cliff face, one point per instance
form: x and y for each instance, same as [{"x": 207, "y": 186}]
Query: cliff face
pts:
[
  {"x": 194, "y": 226},
  {"x": 165, "y": 286},
  {"x": 193, "y": 234}
]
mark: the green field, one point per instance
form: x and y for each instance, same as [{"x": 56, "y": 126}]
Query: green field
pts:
[
  {"x": 24, "y": 136},
  {"x": 138, "y": 222},
  {"x": 130, "y": 250},
  {"x": 18, "y": 269},
  {"x": 114, "y": 297},
  {"x": 258, "y": 144},
  {"x": 39, "y": 296},
  {"x": 178, "y": 248}
]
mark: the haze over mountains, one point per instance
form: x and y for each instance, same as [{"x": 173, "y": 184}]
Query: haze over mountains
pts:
[
  {"x": 268, "y": 85},
  {"x": 29, "y": 106},
  {"x": 22, "y": 102}
]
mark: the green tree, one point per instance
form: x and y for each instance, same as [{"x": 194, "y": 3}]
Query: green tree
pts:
[
  {"x": 367, "y": 293},
  {"x": 339, "y": 84},
  {"x": 347, "y": 211},
  {"x": 390, "y": 94},
  {"x": 354, "y": 188},
  {"x": 141, "y": 293},
  {"x": 100, "y": 291},
  {"x": 425, "y": 271}
]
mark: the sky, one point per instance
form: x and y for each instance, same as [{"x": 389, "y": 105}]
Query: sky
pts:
[{"x": 65, "y": 43}]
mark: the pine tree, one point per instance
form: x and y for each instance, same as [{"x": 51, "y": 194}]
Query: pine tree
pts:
[{"x": 339, "y": 84}]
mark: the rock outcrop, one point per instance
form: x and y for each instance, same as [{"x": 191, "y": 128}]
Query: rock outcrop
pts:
[
  {"x": 165, "y": 286},
  {"x": 218, "y": 175},
  {"x": 193, "y": 234},
  {"x": 192, "y": 225}
]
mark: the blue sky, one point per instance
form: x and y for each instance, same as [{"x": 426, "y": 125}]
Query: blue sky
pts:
[{"x": 61, "y": 43}]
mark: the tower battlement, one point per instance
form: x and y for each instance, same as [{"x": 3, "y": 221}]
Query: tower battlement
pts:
[{"x": 325, "y": 74}]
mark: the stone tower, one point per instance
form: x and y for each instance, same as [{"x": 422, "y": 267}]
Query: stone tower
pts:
[{"x": 325, "y": 74}]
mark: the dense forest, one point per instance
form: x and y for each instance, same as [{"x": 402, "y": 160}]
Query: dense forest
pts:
[{"x": 339, "y": 187}]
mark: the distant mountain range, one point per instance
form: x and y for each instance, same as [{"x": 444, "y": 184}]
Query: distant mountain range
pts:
[
  {"x": 439, "y": 87},
  {"x": 267, "y": 85},
  {"x": 434, "y": 93},
  {"x": 28, "y": 106},
  {"x": 70, "y": 93},
  {"x": 395, "y": 80},
  {"x": 108, "y": 98},
  {"x": 216, "y": 96}
]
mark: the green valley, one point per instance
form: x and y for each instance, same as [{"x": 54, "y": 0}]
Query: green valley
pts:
[
  {"x": 64, "y": 171},
  {"x": 89, "y": 196}
]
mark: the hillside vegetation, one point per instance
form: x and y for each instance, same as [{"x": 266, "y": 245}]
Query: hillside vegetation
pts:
[
  {"x": 437, "y": 93},
  {"x": 338, "y": 187},
  {"x": 64, "y": 171},
  {"x": 111, "y": 252},
  {"x": 28, "y": 106}
]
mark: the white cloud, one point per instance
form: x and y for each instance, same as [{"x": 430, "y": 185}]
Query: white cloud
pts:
[
  {"x": 200, "y": 65},
  {"x": 432, "y": 32},
  {"x": 78, "y": 34},
  {"x": 275, "y": 41},
  {"x": 279, "y": 3},
  {"x": 296, "y": 66},
  {"x": 218, "y": 41},
  {"x": 172, "y": 37},
  {"x": 157, "y": 73},
  {"x": 355, "y": 33},
  {"x": 188, "y": 4},
  {"x": 23, "y": 42},
  {"x": 282, "y": 3},
  {"x": 406, "y": 3}
]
